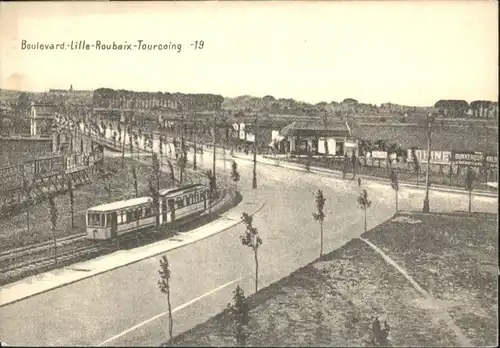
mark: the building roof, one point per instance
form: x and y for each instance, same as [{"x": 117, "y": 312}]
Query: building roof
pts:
[
  {"x": 186, "y": 188},
  {"x": 316, "y": 128},
  {"x": 128, "y": 203}
]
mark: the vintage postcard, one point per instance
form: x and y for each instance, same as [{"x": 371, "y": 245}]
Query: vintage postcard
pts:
[{"x": 275, "y": 173}]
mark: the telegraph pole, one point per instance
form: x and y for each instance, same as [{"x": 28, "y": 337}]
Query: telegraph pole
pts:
[
  {"x": 181, "y": 155},
  {"x": 194, "y": 131},
  {"x": 254, "y": 179},
  {"x": 426, "y": 207},
  {"x": 214, "y": 139}
]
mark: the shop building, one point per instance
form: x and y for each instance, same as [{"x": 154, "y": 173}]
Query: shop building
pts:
[{"x": 318, "y": 138}]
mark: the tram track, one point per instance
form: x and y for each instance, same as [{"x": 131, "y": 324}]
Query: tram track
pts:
[
  {"x": 22, "y": 262},
  {"x": 40, "y": 247}
]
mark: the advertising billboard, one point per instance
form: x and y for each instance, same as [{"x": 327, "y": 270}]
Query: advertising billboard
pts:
[{"x": 379, "y": 154}]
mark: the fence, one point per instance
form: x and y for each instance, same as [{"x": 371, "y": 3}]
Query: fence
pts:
[{"x": 439, "y": 174}]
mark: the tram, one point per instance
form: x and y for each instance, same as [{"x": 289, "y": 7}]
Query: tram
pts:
[{"x": 109, "y": 220}]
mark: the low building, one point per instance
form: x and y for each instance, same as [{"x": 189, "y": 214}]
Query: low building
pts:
[{"x": 319, "y": 138}]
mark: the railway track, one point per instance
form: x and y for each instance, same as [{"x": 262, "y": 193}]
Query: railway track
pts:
[
  {"x": 22, "y": 262},
  {"x": 40, "y": 247}
]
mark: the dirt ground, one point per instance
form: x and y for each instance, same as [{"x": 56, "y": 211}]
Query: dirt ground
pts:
[
  {"x": 331, "y": 302},
  {"x": 455, "y": 258}
]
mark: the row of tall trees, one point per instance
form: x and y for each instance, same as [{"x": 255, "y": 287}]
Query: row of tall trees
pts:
[
  {"x": 459, "y": 108},
  {"x": 109, "y": 98}
]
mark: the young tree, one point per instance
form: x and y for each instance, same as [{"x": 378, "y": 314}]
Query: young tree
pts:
[
  {"x": 134, "y": 177},
  {"x": 416, "y": 164},
  {"x": 161, "y": 140},
  {"x": 252, "y": 240},
  {"x": 469, "y": 184},
  {"x": 28, "y": 202},
  {"x": 212, "y": 188},
  {"x": 254, "y": 178},
  {"x": 379, "y": 336},
  {"x": 182, "y": 161},
  {"x": 239, "y": 312},
  {"x": 235, "y": 175},
  {"x": 123, "y": 145},
  {"x": 136, "y": 142},
  {"x": 164, "y": 285},
  {"x": 345, "y": 166},
  {"x": 195, "y": 136},
  {"x": 104, "y": 176},
  {"x": 395, "y": 185},
  {"x": 172, "y": 172},
  {"x": 131, "y": 145},
  {"x": 364, "y": 202},
  {"x": 154, "y": 187},
  {"x": 320, "y": 216},
  {"x": 71, "y": 201},
  {"x": 53, "y": 223},
  {"x": 308, "y": 161}
]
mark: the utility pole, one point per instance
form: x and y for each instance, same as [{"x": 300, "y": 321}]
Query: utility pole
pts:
[
  {"x": 254, "y": 180},
  {"x": 426, "y": 207},
  {"x": 194, "y": 131},
  {"x": 181, "y": 155},
  {"x": 213, "y": 140}
]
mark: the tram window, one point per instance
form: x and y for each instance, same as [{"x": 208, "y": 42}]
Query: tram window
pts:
[
  {"x": 119, "y": 217},
  {"x": 94, "y": 219},
  {"x": 148, "y": 212},
  {"x": 108, "y": 220},
  {"x": 102, "y": 220},
  {"x": 124, "y": 217},
  {"x": 144, "y": 212},
  {"x": 179, "y": 203},
  {"x": 188, "y": 200}
]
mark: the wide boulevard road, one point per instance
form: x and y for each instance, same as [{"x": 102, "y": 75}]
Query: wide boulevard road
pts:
[{"x": 125, "y": 307}]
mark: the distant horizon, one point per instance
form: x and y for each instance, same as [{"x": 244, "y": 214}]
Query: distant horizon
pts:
[{"x": 247, "y": 95}]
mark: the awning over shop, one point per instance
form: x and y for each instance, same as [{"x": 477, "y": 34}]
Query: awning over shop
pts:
[{"x": 316, "y": 129}]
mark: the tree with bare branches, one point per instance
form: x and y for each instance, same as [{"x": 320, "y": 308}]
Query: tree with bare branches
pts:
[
  {"x": 53, "y": 223},
  {"x": 252, "y": 240},
  {"x": 364, "y": 202},
  {"x": 320, "y": 216},
  {"x": 164, "y": 285}
]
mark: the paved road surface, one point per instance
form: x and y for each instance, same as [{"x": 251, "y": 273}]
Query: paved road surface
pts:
[{"x": 125, "y": 307}]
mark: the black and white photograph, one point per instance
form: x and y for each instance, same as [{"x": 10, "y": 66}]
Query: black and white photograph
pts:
[{"x": 249, "y": 173}]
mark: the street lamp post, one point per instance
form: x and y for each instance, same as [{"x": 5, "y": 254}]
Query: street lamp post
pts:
[{"x": 426, "y": 207}]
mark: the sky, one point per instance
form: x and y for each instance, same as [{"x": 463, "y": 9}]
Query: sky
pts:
[{"x": 404, "y": 52}]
